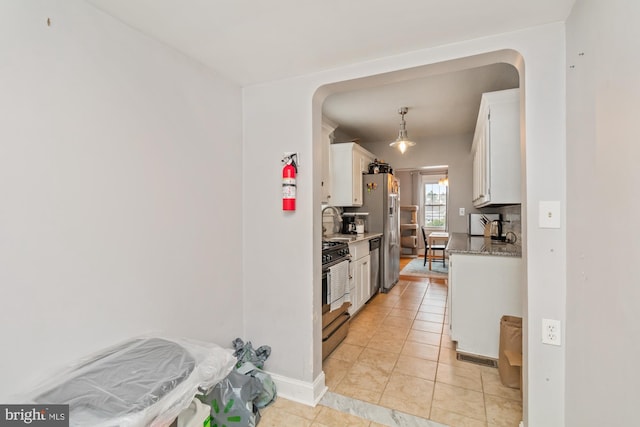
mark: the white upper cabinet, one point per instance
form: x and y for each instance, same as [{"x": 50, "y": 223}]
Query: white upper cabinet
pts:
[
  {"x": 348, "y": 162},
  {"x": 325, "y": 180},
  {"x": 496, "y": 150}
]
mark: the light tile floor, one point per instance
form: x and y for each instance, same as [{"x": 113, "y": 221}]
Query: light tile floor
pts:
[{"x": 399, "y": 355}]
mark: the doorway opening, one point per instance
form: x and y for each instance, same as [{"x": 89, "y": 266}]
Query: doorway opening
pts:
[{"x": 439, "y": 148}]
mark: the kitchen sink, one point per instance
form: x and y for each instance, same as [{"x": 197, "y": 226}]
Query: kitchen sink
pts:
[{"x": 340, "y": 238}]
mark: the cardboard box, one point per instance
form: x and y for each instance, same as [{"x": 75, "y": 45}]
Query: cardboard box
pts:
[{"x": 510, "y": 351}]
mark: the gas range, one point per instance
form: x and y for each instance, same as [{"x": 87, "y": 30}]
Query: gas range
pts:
[
  {"x": 335, "y": 324},
  {"x": 333, "y": 253}
]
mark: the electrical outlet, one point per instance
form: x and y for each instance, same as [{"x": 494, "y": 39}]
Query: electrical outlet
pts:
[
  {"x": 551, "y": 333},
  {"x": 461, "y": 211}
]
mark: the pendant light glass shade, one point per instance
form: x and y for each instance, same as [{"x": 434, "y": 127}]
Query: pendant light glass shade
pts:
[{"x": 402, "y": 142}]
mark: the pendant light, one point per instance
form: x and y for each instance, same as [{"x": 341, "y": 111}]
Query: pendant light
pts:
[{"x": 402, "y": 142}]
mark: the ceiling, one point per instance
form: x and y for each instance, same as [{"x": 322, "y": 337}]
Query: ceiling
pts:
[
  {"x": 438, "y": 105},
  {"x": 252, "y": 42}
]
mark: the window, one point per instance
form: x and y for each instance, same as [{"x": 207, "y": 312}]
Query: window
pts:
[{"x": 435, "y": 204}]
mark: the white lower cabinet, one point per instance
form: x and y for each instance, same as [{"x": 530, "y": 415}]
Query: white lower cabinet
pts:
[
  {"x": 359, "y": 275},
  {"x": 362, "y": 269},
  {"x": 482, "y": 289}
]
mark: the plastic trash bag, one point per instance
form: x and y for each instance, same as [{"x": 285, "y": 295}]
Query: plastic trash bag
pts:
[
  {"x": 231, "y": 401},
  {"x": 268, "y": 387},
  {"x": 251, "y": 362},
  {"x": 244, "y": 352}
]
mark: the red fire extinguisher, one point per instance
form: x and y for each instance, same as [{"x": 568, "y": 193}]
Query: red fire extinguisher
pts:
[{"x": 289, "y": 184}]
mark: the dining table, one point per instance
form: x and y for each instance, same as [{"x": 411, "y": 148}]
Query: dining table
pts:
[{"x": 435, "y": 238}]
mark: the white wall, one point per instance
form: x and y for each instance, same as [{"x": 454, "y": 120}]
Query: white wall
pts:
[
  {"x": 282, "y": 281},
  {"x": 454, "y": 151},
  {"x": 119, "y": 180},
  {"x": 603, "y": 91}
]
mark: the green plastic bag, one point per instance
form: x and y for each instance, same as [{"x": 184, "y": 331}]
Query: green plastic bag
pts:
[{"x": 232, "y": 401}]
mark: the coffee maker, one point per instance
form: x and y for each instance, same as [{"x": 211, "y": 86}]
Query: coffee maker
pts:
[
  {"x": 353, "y": 223},
  {"x": 349, "y": 225}
]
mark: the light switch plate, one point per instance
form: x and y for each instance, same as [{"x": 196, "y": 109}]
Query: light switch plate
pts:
[
  {"x": 549, "y": 214},
  {"x": 461, "y": 211}
]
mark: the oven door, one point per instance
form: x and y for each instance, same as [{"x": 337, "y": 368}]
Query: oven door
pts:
[
  {"x": 325, "y": 288},
  {"x": 335, "y": 324},
  {"x": 326, "y": 281}
]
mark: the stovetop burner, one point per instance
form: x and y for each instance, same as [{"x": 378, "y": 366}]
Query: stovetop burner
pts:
[
  {"x": 328, "y": 245},
  {"x": 334, "y": 252}
]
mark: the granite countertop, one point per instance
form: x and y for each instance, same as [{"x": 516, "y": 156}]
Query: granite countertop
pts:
[
  {"x": 350, "y": 238},
  {"x": 460, "y": 243}
]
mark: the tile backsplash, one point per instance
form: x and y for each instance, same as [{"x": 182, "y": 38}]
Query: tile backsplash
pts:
[
  {"x": 511, "y": 217},
  {"x": 511, "y": 220}
]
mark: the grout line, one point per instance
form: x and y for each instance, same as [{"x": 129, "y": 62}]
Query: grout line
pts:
[
  {"x": 484, "y": 398},
  {"x": 435, "y": 378},
  {"x": 377, "y": 326}
]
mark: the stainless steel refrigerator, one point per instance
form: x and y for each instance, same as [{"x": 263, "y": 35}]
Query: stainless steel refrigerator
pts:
[{"x": 382, "y": 201}]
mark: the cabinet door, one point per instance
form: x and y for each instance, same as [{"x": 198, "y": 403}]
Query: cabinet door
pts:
[
  {"x": 325, "y": 183},
  {"x": 476, "y": 173},
  {"x": 360, "y": 282},
  {"x": 341, "y": 174},
  {"x": 364, "y": 279},
  {"x": 503, "y": 152},
  {"x": 361, "y": 160},
  {"x": 356, "y": 178},
  {"x": 496, "y": 161},
  {"x": 353, "y": 289},
  {"x": 348, "y": 161},
  {"x": 481, "y": 178},
  {"x": 485, "y": 162}
]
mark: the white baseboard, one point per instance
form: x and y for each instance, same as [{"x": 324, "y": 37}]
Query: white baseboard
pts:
[{"x": 300, "y": 391}]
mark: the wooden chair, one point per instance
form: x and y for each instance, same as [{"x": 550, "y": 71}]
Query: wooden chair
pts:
[{"x": 433, "y": 248}]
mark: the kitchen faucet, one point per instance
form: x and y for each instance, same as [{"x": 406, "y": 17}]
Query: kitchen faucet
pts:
[{"x": 336, "y": 213}]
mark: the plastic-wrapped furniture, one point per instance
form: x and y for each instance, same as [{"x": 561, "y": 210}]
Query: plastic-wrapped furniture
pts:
[{"x": 143, "y": 382}]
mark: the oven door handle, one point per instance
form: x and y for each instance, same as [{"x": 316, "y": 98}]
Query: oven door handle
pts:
[{"x": 325, "y": 268}]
